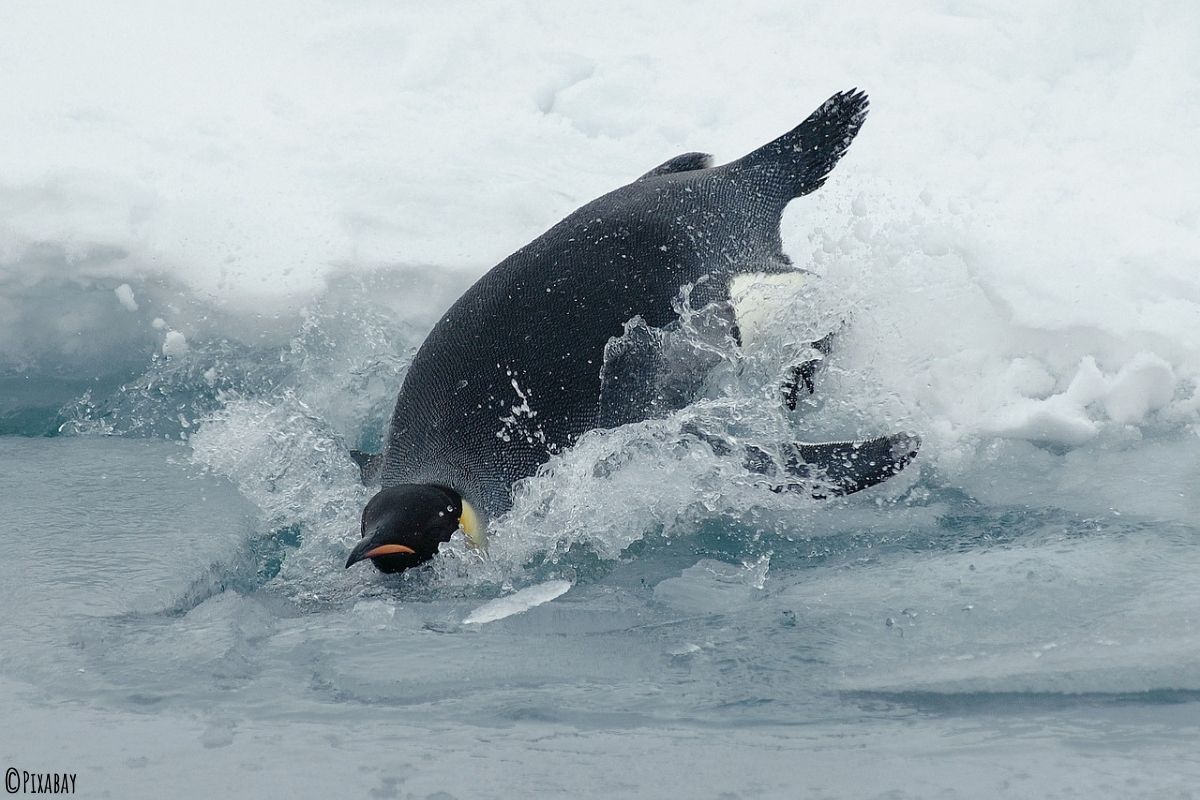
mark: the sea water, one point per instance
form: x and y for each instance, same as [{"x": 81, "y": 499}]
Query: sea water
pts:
[{"x": 225, "y": 230}]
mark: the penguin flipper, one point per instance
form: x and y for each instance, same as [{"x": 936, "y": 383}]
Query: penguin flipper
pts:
[
  {"x": 688, "y": 162},
  {"x": 799, "y": 161}
]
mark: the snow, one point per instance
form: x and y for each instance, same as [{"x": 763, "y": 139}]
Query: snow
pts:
[{"x": 1022, "y": 192}]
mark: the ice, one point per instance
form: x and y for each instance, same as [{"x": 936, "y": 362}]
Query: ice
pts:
[
  {"x": 838, "y": 669},
  {"x": 1051, "y": 615},
  {"x": 713, "y": 587},
  {"x": 1008, "y": 202},
  {"x": 238, "y": 250},
  {"x": 160, "y": 536},
  {"x": 1145, "y": 384},
  {"x": 125, "y": 297},
  {"x": 517, "y": 602},
  {"x": 174, "y": 344}
]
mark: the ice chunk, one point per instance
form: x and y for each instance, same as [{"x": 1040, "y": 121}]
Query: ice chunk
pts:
[
  {"x": 125, "y": 295},
  {"x": 714, "y": 587},
  {"x": 518, "y": 602},
  {"x": 174, "y": 344},
  {"x": 1088, "y": 385},
  {"x": 1055, "y": 419},
  {"x": 1145, "y": 384}
]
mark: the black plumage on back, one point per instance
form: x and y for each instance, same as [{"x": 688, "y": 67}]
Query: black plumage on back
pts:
[{"x": 512, "y": 373}]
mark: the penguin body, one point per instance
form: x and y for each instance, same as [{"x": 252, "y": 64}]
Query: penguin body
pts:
[{"x": 512, "y": 373}]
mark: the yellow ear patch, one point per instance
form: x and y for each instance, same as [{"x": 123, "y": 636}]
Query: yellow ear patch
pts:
[{"x": 473, "y": 527}]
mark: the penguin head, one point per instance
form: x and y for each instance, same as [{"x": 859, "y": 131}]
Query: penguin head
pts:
[{"x": 403, "y": 526}]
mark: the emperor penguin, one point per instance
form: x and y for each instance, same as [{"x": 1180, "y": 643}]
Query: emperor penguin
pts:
[{"x": 565, "y": 336}]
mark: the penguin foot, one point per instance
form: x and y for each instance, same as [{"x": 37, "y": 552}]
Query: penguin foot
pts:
[{"x": 801, "y": 378}]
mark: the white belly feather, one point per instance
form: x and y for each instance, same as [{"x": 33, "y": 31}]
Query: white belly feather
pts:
[{"x": 759, "y": 298}]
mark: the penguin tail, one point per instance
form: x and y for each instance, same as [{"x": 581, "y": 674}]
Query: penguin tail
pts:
[
  {"x": 799, "y": 162},
  {"x": 831, "y": 469},
  {"x": 825, "y": 469}
]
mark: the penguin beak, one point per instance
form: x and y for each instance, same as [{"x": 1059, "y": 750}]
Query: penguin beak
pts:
[{"x": 369, "y": 548}]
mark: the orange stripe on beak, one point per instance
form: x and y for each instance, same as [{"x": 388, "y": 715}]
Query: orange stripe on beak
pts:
[{"x": 388, "y": 549}]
